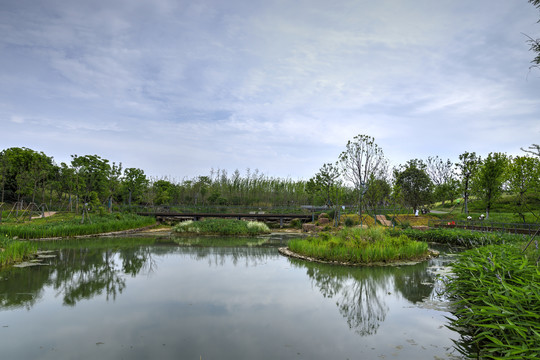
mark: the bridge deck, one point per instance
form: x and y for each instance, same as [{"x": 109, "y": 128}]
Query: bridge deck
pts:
[{"x": 221, "y": 215}]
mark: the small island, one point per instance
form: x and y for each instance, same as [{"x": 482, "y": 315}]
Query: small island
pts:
[{"x": 358, "y": 246}]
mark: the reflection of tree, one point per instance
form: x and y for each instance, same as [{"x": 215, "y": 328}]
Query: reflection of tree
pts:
[
  {"x": 361, "y": 292},
  {"x": 76, "y": 274},
  {"x": 414, "y": 282},
  {"x": 249, "y": 256}
]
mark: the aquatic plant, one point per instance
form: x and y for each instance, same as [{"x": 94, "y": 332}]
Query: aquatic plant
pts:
[
  {"x": 362, "y": 246},
  {"x": 496, "y": 293},
  {"x": 13, "y": 251},
  {"x": 222, "y": 227}
]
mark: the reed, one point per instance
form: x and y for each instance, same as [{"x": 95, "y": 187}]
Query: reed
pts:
[
  {"x": 360, "y": 246},
  {"x": 13, "y": 251},
  {"x": 496, "y": 293},
  {"x": 222, "y": 227}
]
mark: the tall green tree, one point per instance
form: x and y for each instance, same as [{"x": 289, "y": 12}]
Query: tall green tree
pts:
[
  {"x": 467, "y": 168},
  {"x": 361, "y": 160},
  {"x": 413, "y": 184},
  {"x": 488, "y": 184},
  {"x": 92, "y": 177},
  {"x": 524, "y": 182},
  {"x": 134, "y": 181},
  {"x": 325, "y": 184}
]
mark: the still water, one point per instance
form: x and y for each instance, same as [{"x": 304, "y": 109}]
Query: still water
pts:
[{"x": 148, "y": 299}]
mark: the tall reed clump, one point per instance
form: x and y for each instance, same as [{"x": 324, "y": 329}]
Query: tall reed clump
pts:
[
  {"x": 360, "y": 246},
  {"x": 496, "y": 293},
  {"x": 222, "y": 227},
  {"x": 73, "y": 227},
  {"x": 13, "y": 251}
]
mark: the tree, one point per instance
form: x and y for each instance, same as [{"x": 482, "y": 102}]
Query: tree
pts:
[
  {"x": 535, "y": 43},
  {"x": 467, "y": 169},
  {"x": 324, "y": 184},
  {"x": 134, "y": 182},
  {"x": 361, "y": 160},
  {"x": 534, "y": 150},
  {"x": 490, "y": 178},
  {"x": 92, "y": 176},
  {"x": 413, "y": 184},
  {"x": 524, "y": 181},
  {"x": 378, "y": 192},
  {"x": 442, "y": 175}
]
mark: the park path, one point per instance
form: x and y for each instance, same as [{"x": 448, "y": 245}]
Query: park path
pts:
[
  {"x": 382, "y": 219},
  {"x": 45, "y": 214}
]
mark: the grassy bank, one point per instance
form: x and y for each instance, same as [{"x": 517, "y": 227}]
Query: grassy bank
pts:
[
  {"x": 360, "y": 246},
  {"x": 70, "y": 225},
  {"x": 14, "y": 251},
  {"x": 496, "y": 290},
  {"x": 459, "y": 237},
  {"x": 221, "y": 227}
]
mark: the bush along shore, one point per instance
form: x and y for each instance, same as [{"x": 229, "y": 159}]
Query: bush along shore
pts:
[
  {"x": 360, "y": 246},
  {"x": 71, "y": 226},
  {"x": 496, "y": 294},
  {"x": 222, "y": 227}
]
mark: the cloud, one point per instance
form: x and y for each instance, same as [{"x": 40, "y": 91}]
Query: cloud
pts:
[{"x": 266, "y": 84}]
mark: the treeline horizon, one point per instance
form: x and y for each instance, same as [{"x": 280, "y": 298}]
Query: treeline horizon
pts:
[{"x": 359, "y": 177}]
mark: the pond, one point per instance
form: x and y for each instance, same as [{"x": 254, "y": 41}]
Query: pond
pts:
[{"x": 137, "y": 298}]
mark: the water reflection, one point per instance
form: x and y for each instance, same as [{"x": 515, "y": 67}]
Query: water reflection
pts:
[
  {"x": 76, "y": 274},
  {"x": 361, "y": 293},
  {"x": 82, "y": 270}
]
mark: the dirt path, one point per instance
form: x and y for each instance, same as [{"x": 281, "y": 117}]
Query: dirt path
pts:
[{"x": 45, "y": 214}]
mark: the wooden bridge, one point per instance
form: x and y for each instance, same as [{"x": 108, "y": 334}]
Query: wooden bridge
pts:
[{"x": 170, "y": 216}]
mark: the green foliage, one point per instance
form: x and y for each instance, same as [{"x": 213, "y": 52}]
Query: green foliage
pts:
[
  {"x": 222, "y": 227},
  {"x": 496, "y": 293},
  {"x": 325, "y": 184},
  {"x": 490, "y": 178},
  {"x": 13, "y": 251},
  {"x": 524, "y": 181},
  {"x": 459, "y": 237},
  {"x": 72, "y": 226},
  {"x": 467, "y": 168},
  {"x": 413, "y": 184},
  {"x": 361, "y": 161},
  {"x": 360, "y": 246}
]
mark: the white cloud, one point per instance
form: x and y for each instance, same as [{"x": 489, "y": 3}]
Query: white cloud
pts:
[{"x": 267, "y": 84}]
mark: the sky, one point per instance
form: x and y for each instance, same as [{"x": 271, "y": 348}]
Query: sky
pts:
[{"x": 178, "y": 88}]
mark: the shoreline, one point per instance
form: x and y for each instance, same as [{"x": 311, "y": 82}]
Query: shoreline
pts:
[{"x": 286, "y": 252}]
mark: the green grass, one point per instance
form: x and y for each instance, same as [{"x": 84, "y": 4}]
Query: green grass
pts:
[
  {"x": 459, "y": 237},
  {"x": 222, "y": 227},
  {"x": 496, "y": 293},
  {"x": 13, "y": 251},
  {"x": 70, "y": 225},
  {"x": 360, "y": 246}
]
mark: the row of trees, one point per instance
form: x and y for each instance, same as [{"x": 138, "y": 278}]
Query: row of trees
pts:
[
  {"x": 33, "y": 176},
  {"x": 363, "y": 169},
  {"x": 361, "y": 176}
]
